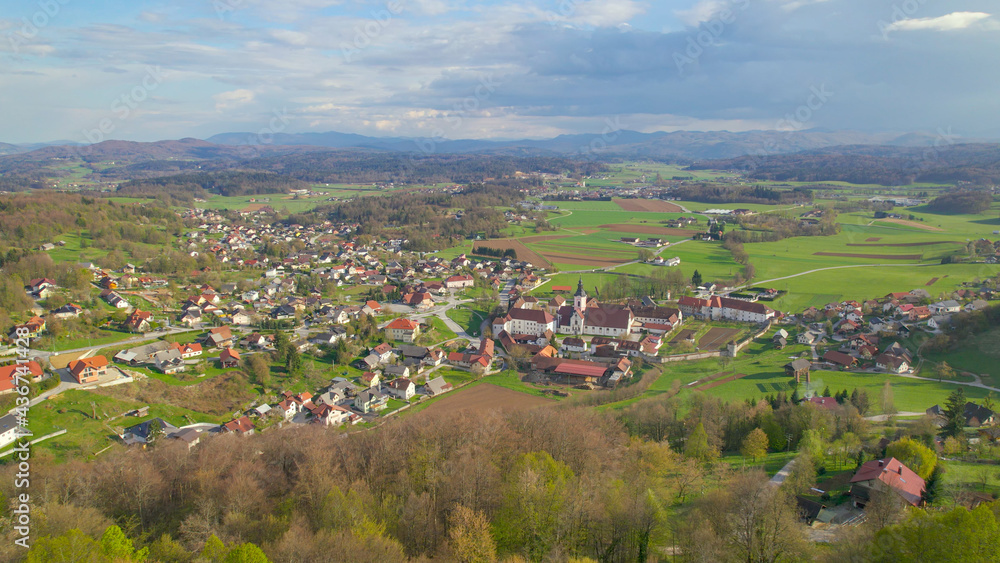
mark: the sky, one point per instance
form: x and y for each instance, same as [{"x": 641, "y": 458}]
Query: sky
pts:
[{"x": 146, "y": 70}]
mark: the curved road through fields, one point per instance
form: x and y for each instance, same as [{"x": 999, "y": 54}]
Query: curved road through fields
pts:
[{"x": 839, "y": 268}]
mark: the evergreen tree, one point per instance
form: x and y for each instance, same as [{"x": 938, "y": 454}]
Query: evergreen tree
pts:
[
  {"x": 696, "y": 278},
  {"x": 954, "y": 413}
]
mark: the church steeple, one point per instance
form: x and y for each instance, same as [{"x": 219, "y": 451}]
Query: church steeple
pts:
[{"x": 580, "y": 298}]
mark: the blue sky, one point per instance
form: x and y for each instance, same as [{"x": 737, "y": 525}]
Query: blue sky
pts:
[{"x": 150, "y": 70}]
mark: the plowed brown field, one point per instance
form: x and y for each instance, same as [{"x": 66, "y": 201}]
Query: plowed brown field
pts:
[{"x": 486, "y": 397}]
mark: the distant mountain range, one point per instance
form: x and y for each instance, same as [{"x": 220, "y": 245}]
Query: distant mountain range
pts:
[
  {"x": 681, "y": 146},
  {"x": 808, "y": 156}
]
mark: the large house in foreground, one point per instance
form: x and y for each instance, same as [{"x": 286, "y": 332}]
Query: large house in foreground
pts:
[{"x": 886, "y": 475}]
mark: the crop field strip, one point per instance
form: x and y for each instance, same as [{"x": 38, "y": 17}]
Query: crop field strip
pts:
[
  {"x": 872, "y": 256},
  {"x": 716, "y": 337},
  {"x": 522, "y": 251},
  {"x": 906, "y": 244}
]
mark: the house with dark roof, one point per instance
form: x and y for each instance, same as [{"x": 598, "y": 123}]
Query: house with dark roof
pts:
[
  {"x": 144, "y": 432},
  {"x": 839, "y": 359}
]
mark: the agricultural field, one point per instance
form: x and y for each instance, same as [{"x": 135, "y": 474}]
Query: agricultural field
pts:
[{"x": 483, "y": 397}]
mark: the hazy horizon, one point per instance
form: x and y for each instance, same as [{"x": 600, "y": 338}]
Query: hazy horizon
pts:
[{"x": 495, "y": 70}]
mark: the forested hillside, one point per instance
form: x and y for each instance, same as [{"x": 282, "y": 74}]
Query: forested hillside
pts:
[{"x": 891, "y": 166}]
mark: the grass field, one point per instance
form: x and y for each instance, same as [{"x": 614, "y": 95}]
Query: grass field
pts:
[
  {"x": 74, "y": 410},
  {"x": 467, "y": 318},
  {"x": 980, "y": 355}
]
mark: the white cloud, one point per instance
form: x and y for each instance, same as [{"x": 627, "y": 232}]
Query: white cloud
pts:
[
  {"x": 232, "y": 99},
  {"x": 606, "y": 13},
  {"x": 950, "y": 22}
]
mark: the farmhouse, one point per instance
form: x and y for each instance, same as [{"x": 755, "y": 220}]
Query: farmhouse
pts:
[
  {"x": 882, "y": 475},
  {"x": 891, "y": 363},
  {"x": 839, "y": 359}
]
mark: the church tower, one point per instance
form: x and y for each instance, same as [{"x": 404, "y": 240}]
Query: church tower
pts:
[{"x": 580, "y": 298}]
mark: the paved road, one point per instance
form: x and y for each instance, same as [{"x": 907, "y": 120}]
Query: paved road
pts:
[
  {"x": 884, "y": 417},
  {"x": 782, "y": 473},
  {"x": 134, "y": 340}
]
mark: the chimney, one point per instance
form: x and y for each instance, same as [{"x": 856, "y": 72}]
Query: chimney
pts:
[
  {"x": 900, "y": 469},
  {"x": 880, "y": 463}
]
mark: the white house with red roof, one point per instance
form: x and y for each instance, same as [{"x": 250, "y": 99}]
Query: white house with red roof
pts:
[
  {"x": 404, "y": 330},
  {"x": 459, "y": 282}
]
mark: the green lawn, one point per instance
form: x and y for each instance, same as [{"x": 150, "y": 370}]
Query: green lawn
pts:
[
  {"x": 73, "y": 410},
  {"x": 980, "y": 355},
  {"x": 467, "y": 318},
  {"x": 771, "y": 463},
  {"x": 439, "y": 332},
  {"x": 512, "y": 380},
  {"x": 961, "y": 476}
]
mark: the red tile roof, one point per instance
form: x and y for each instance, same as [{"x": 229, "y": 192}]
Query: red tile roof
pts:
[
  {"x": 402, "y": 324},
  {"x": 894, "y": 474}
]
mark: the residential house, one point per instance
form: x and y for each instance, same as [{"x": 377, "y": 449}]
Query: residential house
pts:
[
  {"x": 31, "y": 329},
  {"x": 811, "y": 337},
  {"x": 88, "y": 370},
  {"x": 370, "y": 400},
  {"x": 229, "y": 358},
  {"x": 402, "y": 388},
  {"x": 169, "y": 361},
  {"x": 370, "y": 379},
  {"x": 187, "y": 350},
  {"x": 397, "y": 371},
  {"x": 945, "y": 307},
  {"x": 8, "y": 376},
  {"x": 330, "y": 338},
  {"x": 403, "y": 330},
  {"x": 840, "y": 359},
  {"x": 220, "y": 337},
  {"x": 145, "y": 432},
  {"x": 70, "y": 311},
  {"x": 240, "y": 426},
  {"x": 886, "y": 475},
  {"x": 438, "y": 386},
  {"x": 138, "y": 321},
  {"x": 891, "y": 363}
]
